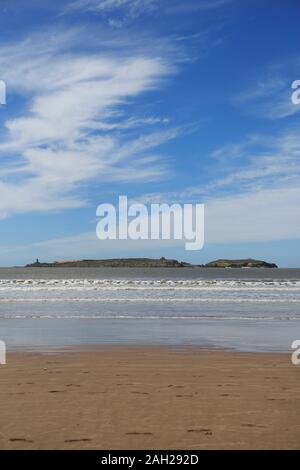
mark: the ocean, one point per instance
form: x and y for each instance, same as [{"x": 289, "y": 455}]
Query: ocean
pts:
[{"x": 243, "y": 309}]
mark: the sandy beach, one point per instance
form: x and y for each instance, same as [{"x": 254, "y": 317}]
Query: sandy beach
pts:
[{"x": 149, "y": 398}]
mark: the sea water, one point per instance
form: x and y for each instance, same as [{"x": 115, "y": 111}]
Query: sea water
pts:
[{"x": 244, "y": 309}]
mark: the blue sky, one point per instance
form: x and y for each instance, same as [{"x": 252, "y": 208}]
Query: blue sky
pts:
[{"x": 164, "y": 101}]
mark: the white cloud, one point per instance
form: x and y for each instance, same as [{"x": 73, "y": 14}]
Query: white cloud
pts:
[
  {"x": 257, "y": 200},
  {"x": 130, "y": 9},
  {"x": 256, "y": 196},
  {"x": 270, "y": 97},
  {"x": 256, "y": 215},
  {"x": 85, "y": 245},
  {"x": 260, "y": 161},
  {"x": 261, "y": 215},
  {"x": 194, "y": 6},
  {"x": 65, "y": 135}
]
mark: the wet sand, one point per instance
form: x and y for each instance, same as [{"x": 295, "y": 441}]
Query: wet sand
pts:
[{"x": 149, "y": 398}]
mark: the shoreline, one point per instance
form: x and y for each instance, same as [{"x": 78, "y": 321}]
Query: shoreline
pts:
[
  {"x": 148, "y": 348},
  {"x": 105, "y": 347},
  {"x": 132, "y": 397},
  {"x": 42, "y": 334}
]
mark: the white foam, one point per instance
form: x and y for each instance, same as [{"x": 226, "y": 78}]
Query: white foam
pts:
[
  {"x": 149, "y": 299},
  {"x": 151, "y": 317},
  {"x": 112, "y": 284}
]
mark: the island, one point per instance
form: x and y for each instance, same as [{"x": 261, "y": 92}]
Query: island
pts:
[
  {"x": 151, "y": 263},
  {"x": 240, "y": 263}
]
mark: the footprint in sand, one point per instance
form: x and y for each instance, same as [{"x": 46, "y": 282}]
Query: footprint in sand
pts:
[
  {"x": 249, "y": 425},
  {"x": 276, "y": 399},
  {"x": 20, "y": 439},
  {"x": 78, "y": 440},
  {"x": 124, "y": 384},
  {"x": 206, "y": 432},
  {"x": 182, "y": 396}
]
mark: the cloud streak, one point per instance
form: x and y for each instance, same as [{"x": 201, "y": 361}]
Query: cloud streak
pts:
[
  {"x": 255, "y": 196},
  {"x": 270, "y": 97},
  {"x": 70, "y": 130},
  {"x": 131, "y": 9}
]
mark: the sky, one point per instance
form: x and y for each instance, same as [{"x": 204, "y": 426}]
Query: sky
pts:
[{"x": 162, "y": 101}]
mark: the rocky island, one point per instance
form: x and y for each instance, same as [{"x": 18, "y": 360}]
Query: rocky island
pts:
[
  {"x": 114, "y": 262},
  {"x": 240, "y": 263},
  {"x": 151, "y": 263}
]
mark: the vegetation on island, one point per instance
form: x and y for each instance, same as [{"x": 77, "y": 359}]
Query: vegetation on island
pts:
[{"x": 152, "y": 263}]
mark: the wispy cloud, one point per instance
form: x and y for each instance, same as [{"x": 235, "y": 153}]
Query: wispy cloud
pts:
[
  {"x": 194, "y": 6},
  {"x": 254, "y": 198},
  {"x": 88, "y": 245},
  {"x": 254, "y": 216},
  {"x": 255, "y": 194},
  {"x": 270, "y": 97},
  {"x": 70, "y": 130},
  {"x": 260, "y": 161},
  {"x": 131, "y": 9}
]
